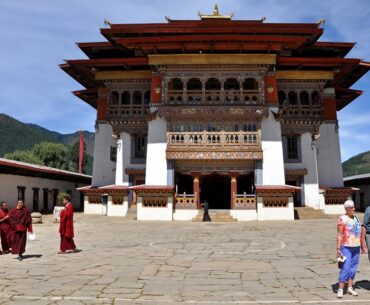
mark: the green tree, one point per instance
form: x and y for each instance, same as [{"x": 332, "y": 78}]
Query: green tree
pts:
[
  {"x": 52, "y": 154},
  {"x": 24, "y": 156},
  {"x": 75, "y": 157}
]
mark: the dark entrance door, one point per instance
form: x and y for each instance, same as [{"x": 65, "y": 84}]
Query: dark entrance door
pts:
[{"x": 216, "y": 189}]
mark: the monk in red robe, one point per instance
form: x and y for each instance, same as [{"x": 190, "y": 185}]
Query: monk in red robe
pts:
[
  {"x": 20, "y": 221},
  {"x": 66, "y": 228},
  {"x": 5, "y": 231}
]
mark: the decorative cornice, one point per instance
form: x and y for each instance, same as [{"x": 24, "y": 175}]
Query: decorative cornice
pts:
[
  {"x": 191, "y": 59},
  {"x": 276, "y": 189}
]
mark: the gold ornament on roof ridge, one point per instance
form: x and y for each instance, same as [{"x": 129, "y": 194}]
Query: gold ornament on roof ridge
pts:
[{"x": 215, "y": 15}]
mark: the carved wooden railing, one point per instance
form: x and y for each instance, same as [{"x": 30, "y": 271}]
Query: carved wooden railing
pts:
[
  {"x": 127, "y": 110},
  {"x": 222, "y": 138},
  {"x": 302, "y": 110},
  {"x": 185, "y": 202},
  {"x": 212, "y": 97},
  {"x": 244, "y": 202}
]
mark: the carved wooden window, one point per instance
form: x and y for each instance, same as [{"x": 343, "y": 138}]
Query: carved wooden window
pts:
[
  {"x": 21, "y": 192},
  {"x": 232, "y": 84},
  {"x": 282, "y": 97},
  {"x": 194, "y": 84},
  {"x": 292, "y": 149},
  {"x": 114, "y": 98},
  {"x": 292, "y": 97},
  {"x": 315, "y": 98},
  {"x": 55, "y": 197},
  {"x": 250, "y": 84},
  {"x": 213, "y": 84},
  {"x": 175, "y": 84},
  {"x": 137, "y": 98},
  {"x": 126, "y": 98},
  {"x": 304, "y": 98},
  {"x": 139, "y": 147},
  {"x": 249, "y": 127},
  {"x": 113, "y": 153},
  {"x": 147, "y": 97},
  {"x": 35, "y": 199}
]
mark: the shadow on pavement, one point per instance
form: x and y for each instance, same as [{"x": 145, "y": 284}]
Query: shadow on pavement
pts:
[{"x": 32, "y": 256}]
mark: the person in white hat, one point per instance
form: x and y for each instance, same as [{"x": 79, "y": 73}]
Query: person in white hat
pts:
[{"x": 350, "y": 239}]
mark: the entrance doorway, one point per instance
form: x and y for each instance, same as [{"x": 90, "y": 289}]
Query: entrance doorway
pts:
[
  {"x": 216, "y": 189},
  {"x": 246, "y": 184},
  {"x": 184, "y": 184}
]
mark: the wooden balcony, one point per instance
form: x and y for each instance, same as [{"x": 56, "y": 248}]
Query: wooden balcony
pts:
[
  {"x": 222, "y": 138},
  {"x": 315, "y": 111},
  {"x": 214, "y": 145},
  {"x": 124, "y": 111},
  {"x": 212, "y": 97}
]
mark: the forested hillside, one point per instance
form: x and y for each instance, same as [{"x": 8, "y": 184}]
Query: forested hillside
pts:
[
  {"x": 15, "y": 135},
  {"x": 18, "y": 141},
  {"x": 357, "y": 165}
]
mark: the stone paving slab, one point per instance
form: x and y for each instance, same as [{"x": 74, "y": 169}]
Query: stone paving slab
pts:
[{"x": 132, "y": 262}]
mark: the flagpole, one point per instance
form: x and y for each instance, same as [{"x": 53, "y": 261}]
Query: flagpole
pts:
[{"x": 81, "y": 153}]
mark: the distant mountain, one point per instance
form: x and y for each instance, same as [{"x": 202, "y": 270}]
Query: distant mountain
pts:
[
  {"x": 357, "y": 165},
  {"x": 15, "y": 135}
]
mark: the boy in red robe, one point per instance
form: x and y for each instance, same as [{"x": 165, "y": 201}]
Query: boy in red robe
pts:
[
  {"x": 5, "y": 230},
  {"x": 20, "y": 221},
  {"x": 66, "y": 228}
]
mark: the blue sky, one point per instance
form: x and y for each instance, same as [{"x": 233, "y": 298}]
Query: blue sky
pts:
[{"x": 36, "y": 35}]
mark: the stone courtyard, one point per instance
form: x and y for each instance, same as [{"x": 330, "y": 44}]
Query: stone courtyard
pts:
[{"x": 131, "y": 262}]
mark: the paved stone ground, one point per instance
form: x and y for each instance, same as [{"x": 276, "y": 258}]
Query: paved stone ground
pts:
[{"x": 131, "y": 262}]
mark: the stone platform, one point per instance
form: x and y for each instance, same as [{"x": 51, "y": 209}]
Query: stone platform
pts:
[{"x": 133, "y": 262}]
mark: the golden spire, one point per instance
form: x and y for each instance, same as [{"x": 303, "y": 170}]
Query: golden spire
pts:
[
  {"x": 216, "y": 15},
  {"x": 215, "y": 11}
]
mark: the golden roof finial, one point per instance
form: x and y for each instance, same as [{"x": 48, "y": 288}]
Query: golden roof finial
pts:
[
  {"x": 216, "y": 15},
  {"x": 215, "y": 11}
]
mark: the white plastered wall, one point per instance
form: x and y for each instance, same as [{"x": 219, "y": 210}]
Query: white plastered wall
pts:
[
  {"x": 94, "y": 208},
  {"x": 276, "y": 213},
  {"x": 117, "y": 209},
  {"x": 156, "y": 162},
  {"x": 123, "y": 158},
  {"x": 103, "y": 167},
  {"x": 244, "y": 215},
  {"x": 184, "y": 215},
  {"x": 329, "y": 164},
  {"x": 310, "y": 186},
  {"x": 149, "y": 213},
  {"x": 9, "y": 191},
  {"x": 335, "y": 209},
  {"x": 273, "y": 160}
]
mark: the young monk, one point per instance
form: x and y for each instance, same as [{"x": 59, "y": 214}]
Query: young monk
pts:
[
  {"x": 66, "y": 228},
  {"x": 20, "y": 222},
  {"x": 5, "y": 230}
]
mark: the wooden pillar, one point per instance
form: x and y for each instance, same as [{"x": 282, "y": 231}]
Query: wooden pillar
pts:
[
  {"x": 196, "y": 191},
  {"x": 234, "y": 190},
  {"x": 102, "y": 104}
]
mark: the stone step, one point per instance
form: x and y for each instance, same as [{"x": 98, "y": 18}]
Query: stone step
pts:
[
  {"x": 215, "y": 217},
  {"x": 309, "y": 213}
]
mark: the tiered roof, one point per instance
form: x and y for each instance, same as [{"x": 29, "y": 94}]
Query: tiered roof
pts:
[{"x": 295, "y": 44}]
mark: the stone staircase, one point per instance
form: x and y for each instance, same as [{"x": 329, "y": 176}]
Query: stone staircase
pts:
[
  {"x": 309, "y": 213},
  {"x": 216, "y": 216}
]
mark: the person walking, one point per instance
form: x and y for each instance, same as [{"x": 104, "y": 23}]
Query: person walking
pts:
[
  {"x": 350, "y": 239},
  {"x": 5, "y": 231},
  {"x": 366, "y": 228},
  {"x": 20, "y": 222},
  {"x": 66, "y": 229}
]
